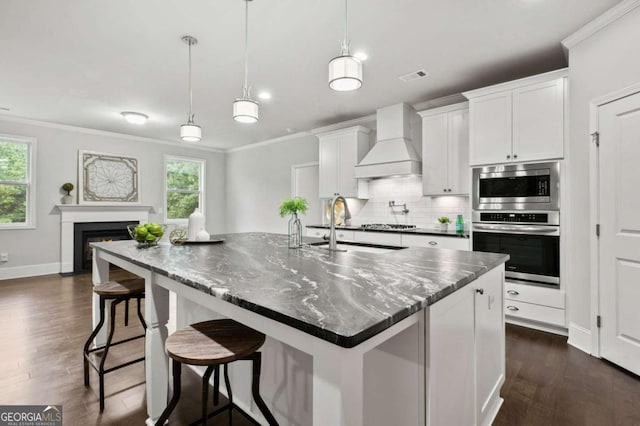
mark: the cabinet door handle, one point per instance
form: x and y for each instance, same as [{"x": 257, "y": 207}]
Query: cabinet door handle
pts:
[
  {"x": 480, "y": 290},
  {"x": 515, "y": 155},
  {"x": 513, "y": 292},
  {"x": 444, "y": 190},
  {"x": 433, "y": 243},
  {"x": 508, "y": 156},
  {"x": 512, "y": 308}
]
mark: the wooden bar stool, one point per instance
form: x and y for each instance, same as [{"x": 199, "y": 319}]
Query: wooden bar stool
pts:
[
  {"x": 117, "y": 292},
  {"x": 212, "y": 344}
]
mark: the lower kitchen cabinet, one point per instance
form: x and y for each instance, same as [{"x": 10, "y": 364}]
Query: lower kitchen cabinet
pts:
[
  {"x": 465, "y": 353},
  {"x": 433, "y": 241},
  {"x": 341, "y": 234},
  {"x": 532, "y": 303},
  {"x": 387, "y": 239}
]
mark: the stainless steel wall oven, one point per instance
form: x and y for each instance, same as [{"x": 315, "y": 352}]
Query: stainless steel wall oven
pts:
[{"x": 531, "y": 239}]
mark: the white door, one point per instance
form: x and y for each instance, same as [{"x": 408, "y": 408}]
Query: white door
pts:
[
  {"x": 304, "y": 183},
  {"x": 619, "y": 200},
  {"x": 538, "y": 121},
  {"x": 490, "y": 129},
  {"x": 459, "y": 171},
  {"x": 434, "y": 154},
  {"x": 329, "y": 155}
]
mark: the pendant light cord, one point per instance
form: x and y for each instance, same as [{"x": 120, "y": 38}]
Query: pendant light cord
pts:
[
  {"x": 345, "y": 41},
  {"x": 245, "y": 89},
  {"x": 190, "y": 121}
]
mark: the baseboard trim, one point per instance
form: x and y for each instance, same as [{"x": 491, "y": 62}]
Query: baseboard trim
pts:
[
  {"x": 580, "y": 337},
  {"x": 29, "y": 270},
  {"x": 537, "y": 326}
]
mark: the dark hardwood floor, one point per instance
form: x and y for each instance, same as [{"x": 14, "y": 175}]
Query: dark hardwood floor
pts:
[{"x": 44, "y": 322}]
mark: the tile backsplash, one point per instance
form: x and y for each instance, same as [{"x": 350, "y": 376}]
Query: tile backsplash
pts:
[{"x": 423, "y": 211}]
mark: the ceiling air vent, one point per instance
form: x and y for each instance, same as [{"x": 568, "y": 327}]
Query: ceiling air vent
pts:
[{"x": 415, "y": 75}]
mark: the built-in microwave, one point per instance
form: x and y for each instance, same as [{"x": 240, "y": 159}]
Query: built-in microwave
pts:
[{"x": 517, "y": 187}]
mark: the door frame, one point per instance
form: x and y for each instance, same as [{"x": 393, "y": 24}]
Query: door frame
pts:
[
  {"x": 294, "y": 168},
  {"x": 594, "y": 206}
]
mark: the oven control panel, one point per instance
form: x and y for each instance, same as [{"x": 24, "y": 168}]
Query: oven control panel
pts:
[{"x": 514, "y": 217}]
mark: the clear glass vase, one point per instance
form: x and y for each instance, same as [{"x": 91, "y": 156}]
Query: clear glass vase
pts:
[{"x": 295, "y": 232}]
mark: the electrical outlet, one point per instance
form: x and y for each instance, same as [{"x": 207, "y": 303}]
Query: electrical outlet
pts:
[{"x": 4, "y": 257}]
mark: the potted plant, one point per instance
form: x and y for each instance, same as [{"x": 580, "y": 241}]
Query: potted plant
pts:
[
  {"x": 444, "y": 222},
  {"x": 67, "y": 187},
  {"x": 293, "y": 206}
]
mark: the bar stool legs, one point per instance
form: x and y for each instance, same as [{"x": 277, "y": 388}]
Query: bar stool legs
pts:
[
  {"x": 255, "y": 358},
  {"x": 112, "y": 326}
]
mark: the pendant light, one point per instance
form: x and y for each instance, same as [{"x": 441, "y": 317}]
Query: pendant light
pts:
[
  {"x": 345, "y": 71},
  {"x": 190, "y": 132},
  {"x": 245, "y": 109}
]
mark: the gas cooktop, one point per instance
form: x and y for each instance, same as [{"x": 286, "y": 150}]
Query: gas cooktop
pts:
[{"x": 387, "y": 226}]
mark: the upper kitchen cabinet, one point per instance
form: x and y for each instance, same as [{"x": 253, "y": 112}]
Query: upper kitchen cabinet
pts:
[
  {"x": 340, "y": 151},
  {"x": 519, "y": 121},
  {"x": 445, "y": 150}
]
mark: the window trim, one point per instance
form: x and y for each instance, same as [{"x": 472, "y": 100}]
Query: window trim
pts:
[
  {"x": 201, "y": 200},
  {"x": 31, "y": 182}
]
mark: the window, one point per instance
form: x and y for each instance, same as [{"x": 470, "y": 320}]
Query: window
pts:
[
  {"x": 184, "y": 183},
  {"x": 17, "y": 177}
]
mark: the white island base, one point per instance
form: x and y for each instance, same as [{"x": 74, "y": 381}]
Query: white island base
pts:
[{"x": 464, "y": 333}]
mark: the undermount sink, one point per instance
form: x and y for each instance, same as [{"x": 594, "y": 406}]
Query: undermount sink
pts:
[{"x": 361, "y": 247}]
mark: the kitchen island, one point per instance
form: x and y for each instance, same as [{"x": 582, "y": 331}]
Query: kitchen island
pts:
[{"x": 337, "y": 307}]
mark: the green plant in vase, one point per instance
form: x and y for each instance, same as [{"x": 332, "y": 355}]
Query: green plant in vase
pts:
[
  {"x": 293, "y": 206},
  {"x": 444, "y": 222},
  {"x": 67, "y": 187}
]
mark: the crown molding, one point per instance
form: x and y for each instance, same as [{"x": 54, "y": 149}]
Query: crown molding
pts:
[
  {"x": 50, "y": 125},
  {"x": 440, "y": 102},
  {"x": 268, "y": 142},
  {"x": 607, "y": 18}
]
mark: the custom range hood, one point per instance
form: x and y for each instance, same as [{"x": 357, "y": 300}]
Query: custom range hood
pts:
[{"x": 393, "y": 154}]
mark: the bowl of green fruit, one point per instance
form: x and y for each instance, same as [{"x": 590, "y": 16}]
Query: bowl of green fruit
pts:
[{"x": 147, "y": 234}]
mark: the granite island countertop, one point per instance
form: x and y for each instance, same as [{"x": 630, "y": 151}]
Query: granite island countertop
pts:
[{"x": 343, "y": 298}]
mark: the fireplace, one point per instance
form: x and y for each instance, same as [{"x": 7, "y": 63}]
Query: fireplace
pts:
[{"x": 85, "y": 233}]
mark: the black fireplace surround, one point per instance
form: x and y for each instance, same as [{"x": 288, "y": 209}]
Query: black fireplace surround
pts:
[{"x": 89, "y": 232}]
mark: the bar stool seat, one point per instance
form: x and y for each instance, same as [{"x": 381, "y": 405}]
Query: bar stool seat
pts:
[
  {"x": 116, "y": 292},
  {"x": 212, "y": 344}
]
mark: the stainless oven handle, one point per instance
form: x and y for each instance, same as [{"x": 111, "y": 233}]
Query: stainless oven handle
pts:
[{"x": 518, "y": 229}]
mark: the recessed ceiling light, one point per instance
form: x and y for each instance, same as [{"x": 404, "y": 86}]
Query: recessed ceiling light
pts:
[
  {"x": 361, "y": 55},
  {"x": 264, "y": 95},
  {"x": 134, "y": 117}
]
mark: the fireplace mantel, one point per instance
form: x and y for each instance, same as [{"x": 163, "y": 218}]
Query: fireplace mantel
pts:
[{"x": 74, "y": 213}]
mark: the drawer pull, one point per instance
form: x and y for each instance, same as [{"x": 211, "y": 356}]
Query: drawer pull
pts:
[
  {"x": 513, "y": 292},
  {"x": 341, "y": 235},
  {"x": 433, "y": 243},
  {"x": 512, "y": 308},
  {"x": 480, "y": 290}
]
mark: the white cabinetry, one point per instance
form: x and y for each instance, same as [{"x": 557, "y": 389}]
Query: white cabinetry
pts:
[
  {"x": 445, "y": 150},
  {"x": 340, "y": 152},
  {"x": 465, "y": 353},
  {"x": 540, "y": 304},
  {"x": 434, "y": 241},
  {"x": 519, "y": 121},
  {"x": 385, "y": 238}
]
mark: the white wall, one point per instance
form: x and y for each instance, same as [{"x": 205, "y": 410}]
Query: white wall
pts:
[
  {"x": 423, "y": 211},
  {"x": 259, "y": 178},
  {"x": 604, "y": 63},
  {"x": 38, "y": 250}
]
